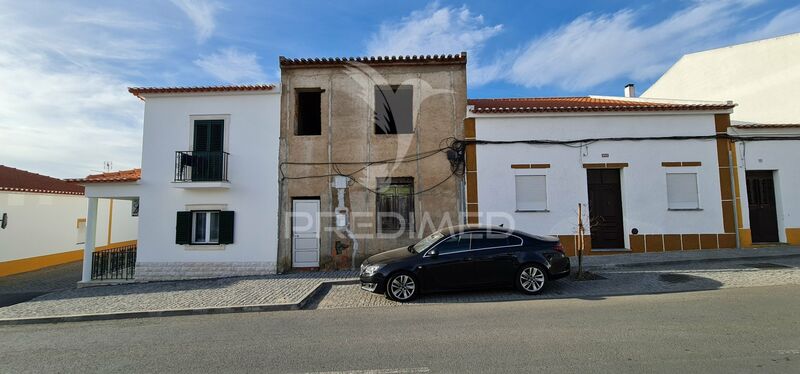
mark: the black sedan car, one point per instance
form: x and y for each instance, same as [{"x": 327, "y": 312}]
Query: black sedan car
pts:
[{"x": 464, "y": 257}]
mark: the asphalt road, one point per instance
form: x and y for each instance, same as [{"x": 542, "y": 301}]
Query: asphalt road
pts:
[{"x": 725, "y": 331}]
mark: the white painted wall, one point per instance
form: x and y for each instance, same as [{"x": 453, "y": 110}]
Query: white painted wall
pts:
[
  {"x": 643, "y": 182},
  {"x": 252, "y": 141},
  {"x": 781, "y": 157},
  {"x": 762, "y": 77},
  {"x": 44, "y": 224}
]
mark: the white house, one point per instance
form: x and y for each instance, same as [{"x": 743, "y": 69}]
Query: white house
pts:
[
  {"x": 763, "y": 78},
  {"x": 208, "y": 193},
  {"x": 33, "y": 204},
  {"x": 650, "y": 175}
]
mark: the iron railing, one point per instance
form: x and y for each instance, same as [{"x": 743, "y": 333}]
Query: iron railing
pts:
[
  {"x": 201, "y": 166},
  {"x": 116, "y": 263}
]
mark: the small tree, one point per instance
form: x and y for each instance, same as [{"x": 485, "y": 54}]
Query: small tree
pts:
[{"x": 579, "y": 241}]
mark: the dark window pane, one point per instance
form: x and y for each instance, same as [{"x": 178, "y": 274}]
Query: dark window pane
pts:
[
  {"x": 489, "y": 240},
  {"x": 200, "y": 227},
  {"x": 309, "y": 112},
  {"x": 394, "y": 110},
  {"x": 454, "y": 243},
  {"x": 214, "y": 234}
]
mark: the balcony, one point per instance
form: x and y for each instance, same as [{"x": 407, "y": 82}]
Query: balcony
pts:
[{"x": 201, "y": 169}]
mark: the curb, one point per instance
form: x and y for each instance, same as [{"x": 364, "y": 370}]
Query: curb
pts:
[
  {"x": 178, "y": 312},
  {"x": 684, "y": 262}
]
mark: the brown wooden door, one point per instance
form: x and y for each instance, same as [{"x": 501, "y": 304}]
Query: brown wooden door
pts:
[
  {"x": 605, "y": 208},
  {"x": 761, "y": 202}
]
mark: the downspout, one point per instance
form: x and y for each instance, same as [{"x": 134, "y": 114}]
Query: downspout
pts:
[{"x": 733, "y": 194}]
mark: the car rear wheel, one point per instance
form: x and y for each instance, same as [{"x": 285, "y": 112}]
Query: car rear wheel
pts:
[
  {"x": 531, "y": 279},
  {"x": 402, "y": 287}
]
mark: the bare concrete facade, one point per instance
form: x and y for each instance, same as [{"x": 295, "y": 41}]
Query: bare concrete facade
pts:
[{"x": 348, "y": 145}]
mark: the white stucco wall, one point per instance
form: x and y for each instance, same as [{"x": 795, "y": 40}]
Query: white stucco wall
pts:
[
  {"x": 643, "y": 181},
  {"x": 45, "y": 224},
  {"x": 780, "y": 157},
  {"x": 252, "y": 141},
  {"x": 762, "y": 77}
]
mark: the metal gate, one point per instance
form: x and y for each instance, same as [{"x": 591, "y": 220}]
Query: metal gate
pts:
[{"x": 116, "y": 263}]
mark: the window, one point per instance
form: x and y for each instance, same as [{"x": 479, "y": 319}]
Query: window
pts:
[
  {"x": 135, "y": 207},
  {"x": 682, "y": 191},
  {"x": 455, "y": 243},
  {"x": 531, "y": 192},
  {"x": 493, "y": 240},
  {"x": 207, "y": 159},
  {"x": 308, "y": 111},
  {"x": 204, "y": 227},
  {"x": 81, "y": 231},
  {"x": 395, "y": 205},
  {"x": 394, "y": 110}
]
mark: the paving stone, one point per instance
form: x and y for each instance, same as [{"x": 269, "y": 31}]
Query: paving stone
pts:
[
  {"x": 650, "y": 280},
  {"x": 239, "y": 291}
]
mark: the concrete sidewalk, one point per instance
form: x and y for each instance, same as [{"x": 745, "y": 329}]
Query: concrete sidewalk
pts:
[{"x": 604, "y": 262}]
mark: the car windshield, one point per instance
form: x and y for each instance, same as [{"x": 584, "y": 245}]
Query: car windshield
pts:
[{"x": 425, "y": 243}]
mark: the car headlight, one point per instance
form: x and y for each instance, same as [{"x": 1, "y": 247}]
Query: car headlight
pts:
[{"x": 371, "y": 269}]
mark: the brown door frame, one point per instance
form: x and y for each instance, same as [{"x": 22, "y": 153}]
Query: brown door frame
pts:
[
  {"x": 605, "y": 234},
  {"x": 762, "y": 204}
]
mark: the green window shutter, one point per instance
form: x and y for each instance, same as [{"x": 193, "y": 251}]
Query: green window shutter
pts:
[
  {"x": 201, "y": 136},
  {"x": 183, "y": 228},
  {"x": 226, "y": 227}
]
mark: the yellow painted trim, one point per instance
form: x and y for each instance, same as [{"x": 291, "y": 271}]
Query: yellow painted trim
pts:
[
  {"x": 35, "y": 263},
  {"x": 746, "y": 238},
  {"x": 110, "y": 219},
  {"x": 793, "y": 235},
  {"x": 115, "y": 245}
]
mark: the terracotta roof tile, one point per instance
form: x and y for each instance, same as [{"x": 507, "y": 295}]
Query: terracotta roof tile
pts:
[
  {"x": 767, "y": 125},
  {"x": 460, "y": 58},
  {"x": 131, "y": 175},
  {"x": 138, "y": 91},
  {"x": 583, "y": 104},
  {"x": 12, "y": 179}
]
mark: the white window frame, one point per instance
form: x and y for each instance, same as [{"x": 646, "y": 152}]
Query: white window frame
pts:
[
  {"x": 546, "y": 194},
  {"x": 693, "y": 171},
  {"x": 207, "y": 239}
]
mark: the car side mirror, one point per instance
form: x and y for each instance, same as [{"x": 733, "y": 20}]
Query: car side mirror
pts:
[{"x": 433, "y": 253}]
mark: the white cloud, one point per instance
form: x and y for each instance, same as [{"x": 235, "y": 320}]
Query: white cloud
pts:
[
  {"x": 785, "y": 22},
  {"x": 593, "y": 49},
  {"x": 201, "y": 13},
  {"x": 597, "y": 48},
  {"x": 444, "y": 30},
  {"x": 65, "y": 107},
  {"x": 435, "y": 30},
  {"x": 229, "y": 65}
]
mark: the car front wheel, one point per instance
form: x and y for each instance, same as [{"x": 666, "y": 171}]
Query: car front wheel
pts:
[
  {"x": 531, "y": 279},
  {"x": 402, "y": 287}
]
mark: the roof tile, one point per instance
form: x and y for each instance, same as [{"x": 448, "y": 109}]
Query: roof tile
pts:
[
  {"x": 12, "y": 179},
  {"x": 131, "y": 175},
  {"x": 582, "y": 104},
  {"x": 139, "y": 91}
]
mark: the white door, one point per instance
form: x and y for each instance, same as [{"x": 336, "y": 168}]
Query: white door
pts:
[{"x": 305, "y": 233}]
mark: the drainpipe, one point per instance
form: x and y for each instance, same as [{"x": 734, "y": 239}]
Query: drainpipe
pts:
[{"x": 733, "y": 195}]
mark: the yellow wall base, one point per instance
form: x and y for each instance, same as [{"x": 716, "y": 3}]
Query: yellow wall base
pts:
[
  {"x": 793, "y": 236},
  {"x": 39, "y": 262}
]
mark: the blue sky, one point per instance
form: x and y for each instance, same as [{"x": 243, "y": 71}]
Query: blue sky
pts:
[{"x": 65, "y": 66}]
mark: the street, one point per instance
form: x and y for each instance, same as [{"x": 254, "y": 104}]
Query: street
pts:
[{"x": 727, "y": 330}]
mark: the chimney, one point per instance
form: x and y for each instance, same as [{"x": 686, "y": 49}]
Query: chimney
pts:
[{"x": 630, "y": 90}]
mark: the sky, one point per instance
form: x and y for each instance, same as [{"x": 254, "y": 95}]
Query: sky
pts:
[{"x": 65, "y": 65}]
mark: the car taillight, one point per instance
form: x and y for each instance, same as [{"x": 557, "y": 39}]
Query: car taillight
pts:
[{"x": 558, "y": 247}]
